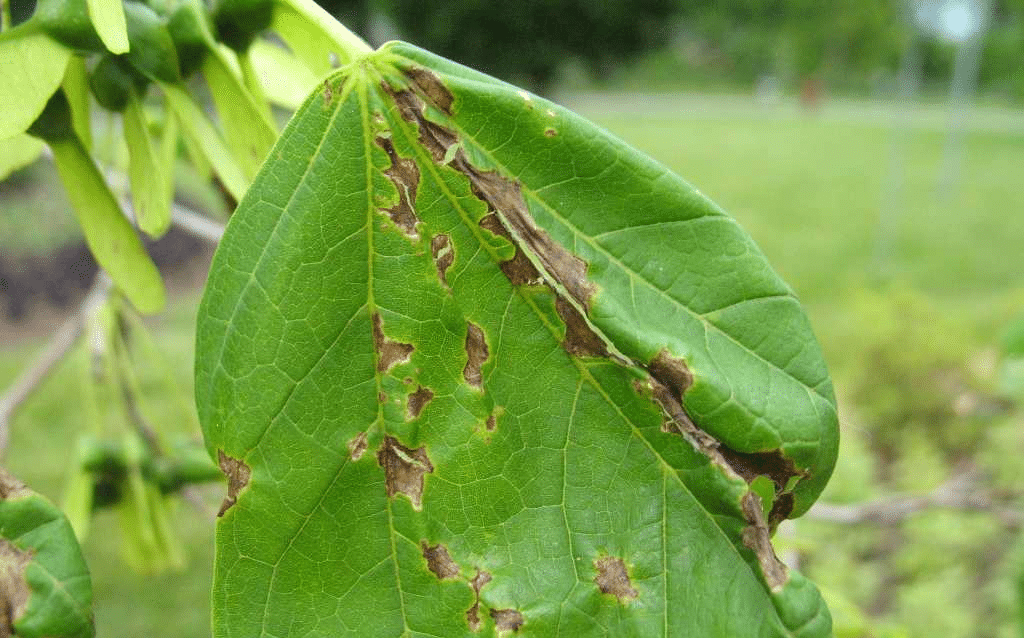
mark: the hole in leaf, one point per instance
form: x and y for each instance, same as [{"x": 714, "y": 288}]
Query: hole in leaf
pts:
[
  {"x": 476, "y": 355},
  {"x": 404, "y": 469},
  {"x": 405, "y": 175},
  {"x": 389, "y": 353},
  {"x": 580, "y": 339},
  {"x": 507, "y": 619},
  {"x": 439, "y": 561},
  {"x": 419, "y": 400},
  {"x": 444, "y": 255},
  {"x": 238, "y": 474},
  {"x": 613, "y": 579}
]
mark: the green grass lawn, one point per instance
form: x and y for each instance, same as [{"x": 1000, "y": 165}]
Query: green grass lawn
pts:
[{"x": 814, "y": 190}]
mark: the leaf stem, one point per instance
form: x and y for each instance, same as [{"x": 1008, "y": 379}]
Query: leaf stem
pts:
[{"x": 5, "y": 14}]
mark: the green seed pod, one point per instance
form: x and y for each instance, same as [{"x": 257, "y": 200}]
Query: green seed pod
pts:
[
  {"x": 187, "y": 464},
  {"x": 113, "y": 80},
  {"x": 67, "y": 22},
  {"x": 240, "y": 21},
  {"x": 54, "y": 123},
  {"x": 152, "y": 50},
  {"x": 189, "y": 28}
]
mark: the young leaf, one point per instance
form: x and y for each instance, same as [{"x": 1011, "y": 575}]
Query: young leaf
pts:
[
  {"x": 44, "y": 581},
  {"x": 472, "y": 363},
  {"x": 31, "y": 67},
  {"x": 110, "y": 237},
  {"x": 248, "y": 132},
  {"x": 146, "y": 173},
  {"x": 204, "y": 140},
  {"x": 107, "y": 17},
  {"x": 76, "y": 88},
  {"x": 283, "y": 77}
]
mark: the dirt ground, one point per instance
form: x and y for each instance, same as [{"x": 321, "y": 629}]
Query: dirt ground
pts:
[{"x": 37, "y": 292}]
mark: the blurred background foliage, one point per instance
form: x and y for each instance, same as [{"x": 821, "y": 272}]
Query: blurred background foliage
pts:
[
  {"x": 851, "y": 45},
  {"x": 915, "y": 291}
]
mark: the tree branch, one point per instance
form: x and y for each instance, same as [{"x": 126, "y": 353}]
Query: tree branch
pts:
[
  {"x": 60, "y": 344},
  {"x": 963, "y": 492}
]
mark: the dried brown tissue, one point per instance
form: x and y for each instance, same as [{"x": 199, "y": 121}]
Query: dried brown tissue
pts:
[
  {"x": 389, "y": 352},
  {"x": 404, "y": 469},
  {"x": 418, "y": 400},
  {"x": 613, "y": 578},
  {"x": 238, "y": 475},
  {"x": 405, "y": 175},
  {"x": 476, "y": 355}
]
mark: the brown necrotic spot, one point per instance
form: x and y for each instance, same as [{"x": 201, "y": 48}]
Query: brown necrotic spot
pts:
[
  {"x": 519, "y": 270},
  {"x": 476, "y": 355},
  {"x": 439, "y": 561},
  {"x": 357, "y": 446},
  {"x": 14, "y": 589},
  {"x": 506, "y": 198},
  {"x": 507, "y": 619},
  {"x": 757, "y": 538},
  {"x": 238, "y": 474},
  {"x": 672, "y": 372},
  {"x": 473, "y": 613},
  {"x": 419, "y": 400},
  {"x": 491, "y": 424},
  {"x": 404, "y": 469},
  {"x": 389, "y": 353},
  {"x": 613, "y": 579},
  {"x": 580, "y": 339},
  {"x": 550, "y": 132},
  {"x": 444, "y": 255},
  {"x": 405, "y": 175},
  {"x": 432, "y": 88}
]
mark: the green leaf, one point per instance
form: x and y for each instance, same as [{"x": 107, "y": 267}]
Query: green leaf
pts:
[
  {"x": 76, "y": 88},
  {"x": 474, "y": 366},
  {"x": 31, "y": 67},
  {"x": 18, "y": 152},
  {"x": 107, "y": 17},
  {"x": 285, "y": 79},
  {"x": 204, "y": 140},
  {"x": 43, "y": 577},
  {"x": 248, "y": 132},
  {"x": 150, "y": 193},
  {"x": 110, "y": 237}
]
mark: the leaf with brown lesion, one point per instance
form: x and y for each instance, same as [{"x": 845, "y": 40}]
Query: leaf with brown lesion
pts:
[
  {"x": 389, "y": 352},
  {"x": 238, "y": 475},
  {"x": 404, "y": 469}
]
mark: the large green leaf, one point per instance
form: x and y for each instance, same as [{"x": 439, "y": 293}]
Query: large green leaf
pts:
[
  {"x": 473, "y": 366},
  {"x": 45, "y": 589}
]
